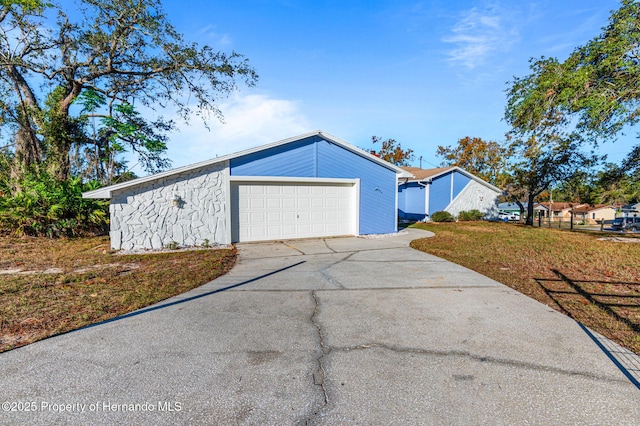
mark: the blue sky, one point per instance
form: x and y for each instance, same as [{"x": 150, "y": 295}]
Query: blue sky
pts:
[{"x": 425, "y": 73}]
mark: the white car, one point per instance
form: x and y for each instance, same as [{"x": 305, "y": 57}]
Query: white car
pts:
[{"x": 509, "y": 216}]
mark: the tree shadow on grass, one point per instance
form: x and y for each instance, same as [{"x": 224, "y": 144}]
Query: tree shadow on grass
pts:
[{"x": 596, "y": 302}]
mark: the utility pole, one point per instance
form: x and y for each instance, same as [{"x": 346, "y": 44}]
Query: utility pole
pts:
[{"x": 421, "y": 161}]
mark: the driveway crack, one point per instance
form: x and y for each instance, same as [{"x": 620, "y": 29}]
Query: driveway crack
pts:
[
  {"x": 319, "y": 375},
  {"x": 476, "y": 357},
  {"x": 327, "y": 245}
]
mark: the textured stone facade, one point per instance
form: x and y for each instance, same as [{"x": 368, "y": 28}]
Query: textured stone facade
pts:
[
  {"x": 475, "y": 196},
  {"x": 187, "y": 209}
]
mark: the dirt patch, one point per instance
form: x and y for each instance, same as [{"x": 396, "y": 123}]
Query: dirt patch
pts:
[
  {"x": 620, "y": 239},
  {"x": 18, "y": 271}
]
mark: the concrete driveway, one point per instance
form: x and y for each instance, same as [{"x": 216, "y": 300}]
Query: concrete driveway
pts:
[{"x": 335, "y": 331}]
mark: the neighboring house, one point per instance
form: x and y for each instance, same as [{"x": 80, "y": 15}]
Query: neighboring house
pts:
[
  {"x": 629, "y": 210},
  {"x": 581, "y": 212},
  {"x": 450, "y": 189},
  {"x": 600, "y": 212},
  {"x": 313, "y": 185},
  {"x": 540, "y": 211},
  {"x": 559, "y": 211}
]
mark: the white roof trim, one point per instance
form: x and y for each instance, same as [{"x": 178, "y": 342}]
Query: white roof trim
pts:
[
  {"x": 106, "y": 191},
  {"x": 464, "y": 172},
  {"x": 289, "y": 179}
]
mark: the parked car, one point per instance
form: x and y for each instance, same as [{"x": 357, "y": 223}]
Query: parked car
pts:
[
  {"x": 626, "y": 224},
  {"x": 508, "y": 216}
]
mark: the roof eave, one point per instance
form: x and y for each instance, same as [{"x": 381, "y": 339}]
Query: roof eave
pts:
[{"x": 107, "y": 191}]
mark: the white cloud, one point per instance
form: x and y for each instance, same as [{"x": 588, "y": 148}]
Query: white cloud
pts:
[
  {"x": 250, "y": 121},
  {"x": 210, "y": 35},
  {"x": 480, "y": 33}
]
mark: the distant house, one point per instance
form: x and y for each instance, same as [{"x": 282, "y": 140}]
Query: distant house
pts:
[
  {"x": 450, "y": 189},
  {"x": 593, "y": 213},
  {"x": 629, "y": 210},
  {"x": 559, "y": 211},
  {"x": 598, "y": 212},
  {"x": 581, "y": 212}
]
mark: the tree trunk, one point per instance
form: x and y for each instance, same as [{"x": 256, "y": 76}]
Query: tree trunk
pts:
[
  {"x": 28, "y": 152},
  {"x": 530, "y": 210},
  {"x": 58, "y": 153},
  {"x": 60, "y": 139}
]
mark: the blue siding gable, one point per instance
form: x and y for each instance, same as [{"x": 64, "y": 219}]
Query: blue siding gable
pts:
[
  {"x": 411, "y": 198},
  {"x": 317, "y": 157},
  {"x": 440, "y": 193},
  {"x": 296, "y": 159},
  {"x": 460, "y": 182},
  {"x": 444, "y": 189}
]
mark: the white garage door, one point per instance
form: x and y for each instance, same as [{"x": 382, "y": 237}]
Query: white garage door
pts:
[{"x": 278, "y": 210}]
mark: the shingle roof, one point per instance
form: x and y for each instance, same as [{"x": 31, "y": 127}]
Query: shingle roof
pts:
[
  {"x": 421, "y": 174},
  {"x": 427, "y": 174}
]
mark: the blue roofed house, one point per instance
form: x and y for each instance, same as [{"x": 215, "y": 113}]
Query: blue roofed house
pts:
[
  {"x": 450, "y": 189},
  {"x": 312, "y": 185}
]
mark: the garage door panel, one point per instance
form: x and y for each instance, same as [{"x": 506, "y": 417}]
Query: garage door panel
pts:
[
  {"x": 281, "y": 210},
  {"x": 274, "y": 203},
  {"x": 303, "y": 216},
  {"x": 274, "y": 217},
  {"x": 303, "y": 203},
  {"x": 288, "y": 203}
]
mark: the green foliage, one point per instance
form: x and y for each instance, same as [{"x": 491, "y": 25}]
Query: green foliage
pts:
[
  {"x": 46, "y": 206},
  {"x": 470, "y": 215},
  {"x": 90, "y": 65},
  {"x": 173, "y": 245},
  {"x": 442, "y": 216}
]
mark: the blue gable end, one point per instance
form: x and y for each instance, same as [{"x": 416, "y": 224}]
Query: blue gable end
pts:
[
  {"x": 317, "y": 157},
  {"x": 440, "y": 193},
  {"x": 460, "y": 182},
  {"x": 444, "y": 189},
  {"x": 411, "y": 198},
  {"x": 296, "y": 159}
]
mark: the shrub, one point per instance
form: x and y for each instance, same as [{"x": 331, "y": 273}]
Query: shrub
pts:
[
  {"x": 470, "y": 215},
  {"x": 442, "y": 217},
  {"x": 45, "y": 206}
]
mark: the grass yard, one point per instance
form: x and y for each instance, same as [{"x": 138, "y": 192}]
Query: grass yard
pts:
[
  {"x": 596, "y": 282},
  {"x": 51, "y": 286}
]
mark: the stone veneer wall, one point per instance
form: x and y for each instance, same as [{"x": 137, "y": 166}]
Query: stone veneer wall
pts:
[
  {"x": 475, "y": 196},
  {"x": 144, "y": 216}
]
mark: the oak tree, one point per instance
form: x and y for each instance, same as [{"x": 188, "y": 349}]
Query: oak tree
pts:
[
  {"x": 123, "y": 53},
  {"x": 391, "y": 151},
  {"x": 485, "y": 159}
]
